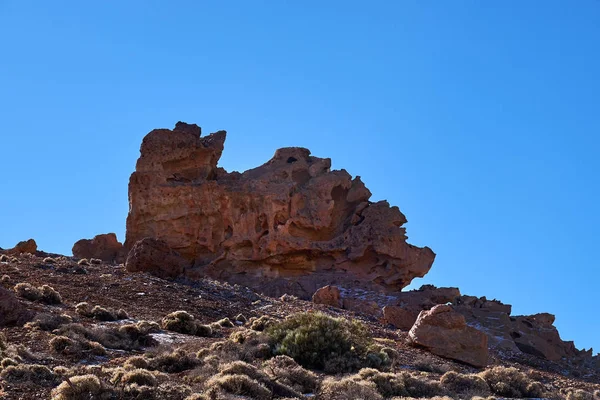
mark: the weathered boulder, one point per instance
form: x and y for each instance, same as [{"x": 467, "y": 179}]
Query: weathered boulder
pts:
[
  {"x": 399, "y": 317},
  {"x": 289, "y": 226},
  {"x": 105, "y": 247},
  {"x": 155, "y": 257},
  {"x": 445, "y": 332},
  {"x": 26, "y": 246},
  {"x": 536, "y": 335},
  {"x": 12, "y": 311},
  {"x": 328, "y": 295}
]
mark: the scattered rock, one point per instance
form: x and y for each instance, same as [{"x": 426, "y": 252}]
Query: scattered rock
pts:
[
  {"x": 27, "y": 246},
  {"x": 12, "y": 311},
  {"x": 445, "y": 332},
  {"x": 105, "y": 247},
  {"x": 289, "y": 226},
  {"x": 155, "y": 257}
]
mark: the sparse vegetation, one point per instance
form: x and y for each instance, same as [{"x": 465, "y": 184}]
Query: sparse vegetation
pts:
[
  {"x": 510, "y": 382},
  {"x": 184, "y": 322},
  {"x": 44, "y": 294}
]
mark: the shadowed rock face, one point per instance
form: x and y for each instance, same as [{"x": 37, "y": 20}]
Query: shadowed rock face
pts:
[{"x": 289, "y": 226}]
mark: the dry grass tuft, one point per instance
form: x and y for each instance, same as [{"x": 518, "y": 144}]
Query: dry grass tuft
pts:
[
  {"x": 510, "y": 382},
  {"x": 471, "y": 385},
  {"x": 348, "y": 388},
  {"x": 184, "y": 322},
  {"x": 37, "y": 374}
]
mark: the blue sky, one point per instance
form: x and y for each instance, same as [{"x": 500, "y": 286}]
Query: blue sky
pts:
[{"x": 480, "y": 120}]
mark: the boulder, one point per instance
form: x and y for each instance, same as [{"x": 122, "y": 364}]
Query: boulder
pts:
[
  {"x": 105, "y": 247},
  {"x": 290, "y": 226},
  {"x": 399, "y": 317},
  {"x": 536, "y": 335},
  {"x": 155, "y": 257},
  {"x": 12, "y": 311},
  {"x": 328, "y": 295},
  {"x": 445, "y": 332},
  {"x": 26, "y": 246}
]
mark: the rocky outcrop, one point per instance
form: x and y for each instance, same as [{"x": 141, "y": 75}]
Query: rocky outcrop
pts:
[
  {"x": 445, "y": 332},
  {"x": 12, "y": 311},
  {"x": 155, "y": 257},
  {"x": 26, "y": 246},
  {"x": 105, "y": 247},
  {"x": 291, "y": 225}
]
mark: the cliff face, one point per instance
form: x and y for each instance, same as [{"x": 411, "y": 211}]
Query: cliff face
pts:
[{"x": 289, "y": 226}]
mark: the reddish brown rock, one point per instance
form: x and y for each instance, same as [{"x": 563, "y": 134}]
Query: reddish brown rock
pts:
[
  {"x": 105, "y": 247},
  {"x": 26, "y": 246},
  {"x": 12, "y": 311},
  {"x": 399, "y": 317},
  {"x": 445, "y": 332},
  {"x": 289, "y": 226},
  {"x": 536, "y": 335},
  {"x": 328, "y": 295},
  {"x": 155, "y": 257}
]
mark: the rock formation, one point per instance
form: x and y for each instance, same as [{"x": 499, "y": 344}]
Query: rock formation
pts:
[
  {"x": 445, "y": 332},
  {"x": 105, "y": 247},
  {"x": 26, "y": 246},
  {"x": 289, "y": 226}
]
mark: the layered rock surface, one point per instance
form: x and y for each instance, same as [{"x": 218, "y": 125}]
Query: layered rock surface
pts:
[
  {"x": 105, "y": 247},
  {"x": 291, "y": 225}
]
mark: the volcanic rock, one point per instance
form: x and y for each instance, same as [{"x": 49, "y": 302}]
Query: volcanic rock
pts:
[
  {"x": 26, "y": 246},
  {"x": 12, "y": 311},
  {"x": 105, "y": 247},
  {"x": 289, "y": 226},
  {"x": 399, "y": 317},
  {"x": 328, "y": 295},
  {"x": 155, "y": 257},
  {"x": 445, "y": 332}
]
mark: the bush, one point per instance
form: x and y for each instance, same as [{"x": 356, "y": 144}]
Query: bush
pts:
[
  {"x": 465, "y": 384},
  {"x": 83, "y": 262},
  {"x": 184, "y": 322},
  {"x": 262, "y": 323},
  {"x": 50, "y": 296},
  {"x": 348, "y": 388},
  {"x": 4, "y": 258},
  {"x": 579, "y": 394},
  {"x": 103, "y": 314},
  {"x": 49, "y": 260},
  {"x": 173, "y": 362},
  {"x": 141, "y": 377},
  {"x": 79, "y": 388},
  {"x": 28, "y": 291},
  {"x": 240, "y": 385},
  {"x": 37, "y": 374},
  {"x": 44, "y": 294},
  {"x": 510, "y": 382},
  {"x": 241, "y": 318},
  {"x": 5, "y": 281},
  {"x": 285, "y": 370},
  {"x": 225, "y": 323},
  {"x": 48, "y": 322},
  {"x": 313, "y": 339},
  {"x": 112, "y": 338}
]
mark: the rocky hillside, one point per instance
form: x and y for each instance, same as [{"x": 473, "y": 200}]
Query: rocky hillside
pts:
[{"x": 281, "y": 282}]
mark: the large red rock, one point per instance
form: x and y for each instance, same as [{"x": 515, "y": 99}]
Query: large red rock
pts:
[
  {"x": 105, "y": 247},
  {"x": 445, "y": 332},
  {"x": 328, "y": 295},
  {"x": 291, "y": 225},
  {"x": 155, "y": 257},
  {"x": 26, "y": 246},
  {"x": 12, "y": 311}
]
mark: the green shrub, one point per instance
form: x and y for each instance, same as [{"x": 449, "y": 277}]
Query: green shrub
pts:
[{"x": 314, "y": 339}]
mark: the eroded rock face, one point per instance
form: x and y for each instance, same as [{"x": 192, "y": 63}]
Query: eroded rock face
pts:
[
  {"x": 289, "y": 226},
  {"x": 26, "y": 246},
  {"x": 445, "y": 332},
  {"x": 105, "y": 247}
]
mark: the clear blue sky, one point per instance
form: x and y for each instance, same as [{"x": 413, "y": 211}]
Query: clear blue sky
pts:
[{"x": 480, "y": 120}]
